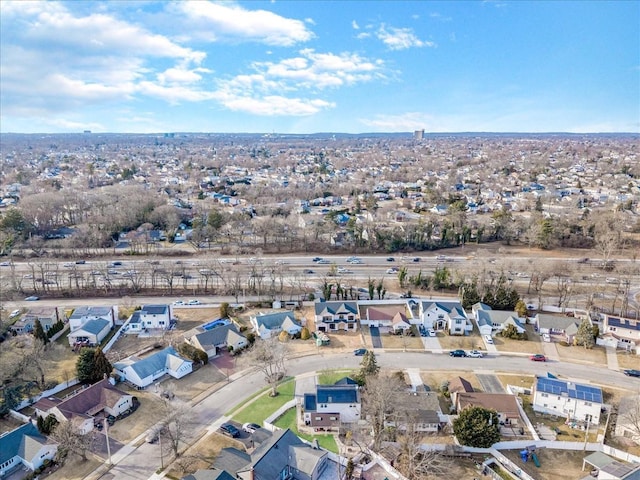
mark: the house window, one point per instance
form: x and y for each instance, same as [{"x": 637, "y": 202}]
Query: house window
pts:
[
  {"x": 545, "y": 395},
  {"x": 318, "y": 419},
  {"x": 613, "y": 329},
  {"x": 587, "y": 404},
  {"x": 161, "y": 322},
  {"x": 333, "y": 418}
]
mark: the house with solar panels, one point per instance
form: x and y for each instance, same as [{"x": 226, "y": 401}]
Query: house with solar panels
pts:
[
  {"x": 331, "y": 405},
  {"x": 620, "y": 332},
  {"x": 562, "y": 398},
  {"x": 336, "y": 316},
  {"x": 90, "y": 325}
]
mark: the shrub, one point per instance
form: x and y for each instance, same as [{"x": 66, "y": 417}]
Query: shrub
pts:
[
  {"x": 304, "y": 334},
  {"x": 563, "y": 343}
]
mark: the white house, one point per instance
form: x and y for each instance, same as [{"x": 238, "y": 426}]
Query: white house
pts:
[
  {"x": 574, "y": 401},
  {"x": 620, "y": 332},
  {"x": 385, "y": 314},
  {"x": 143, "y": 372},
  {"x": 150, "y": 317},
  {"x": 82, "y": 315},
  {"x": 331, "y": 405},
  {"x": 91, "y": 333},
  {"x": 335, "y": 316},
  {"x": 267, "y": 325},
  {"x": 490, "y": 320},
  {"x": 445, "y": 315},
  {"x": 563, "y": 326},
  {"x": 24, "y": 446},
  {"x": 46, "y": 315}
]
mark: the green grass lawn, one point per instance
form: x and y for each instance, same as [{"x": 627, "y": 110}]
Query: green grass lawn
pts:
[
  {"x": 288, "y": 420},
  {"x": 329, "y": 377},
  {"x": 260, "y": 407}
]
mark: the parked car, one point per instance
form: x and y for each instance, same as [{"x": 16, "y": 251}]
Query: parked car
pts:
[
  {"x": 32, "y": 298},
  {"x": 193, "y": 302},
  {"x": 14, "y": 314},
  {"x": 5, "y": 264},
  {"x": 431, "y": 332},
  {"x": 474, "y": 354},
  {"x": 488, "y": 339},
  {"x": 457, "y": 353},
  {"x": 178, "y": 302},
  {"x": 538, "y": 357},
  {"x": 360, "y": 352},
  {"x": 250, "y": 427},
  {"x": 632, "y": 373},
  {"x": 423, "y": 331},
  {"x": 229, "y": 430}
]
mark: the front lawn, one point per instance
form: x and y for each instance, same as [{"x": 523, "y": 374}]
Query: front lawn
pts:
[
  {"x": 257, "y": 410},
  {"x": 330, "y": 377},
  {"x": 288, "y": 420}
]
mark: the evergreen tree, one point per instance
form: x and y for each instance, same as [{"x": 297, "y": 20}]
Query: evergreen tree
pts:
[
  {"x": 92, "y": 365},
  {"x": 584, "y": 335},
  {"x": 469, "y": 293},
  {"x": 39, "y": 332},
  {"x": 477, "y": 427},
  {"x": 368, "y": 367}
]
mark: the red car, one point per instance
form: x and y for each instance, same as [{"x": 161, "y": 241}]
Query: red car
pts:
[{"x": 538, "y": 358}]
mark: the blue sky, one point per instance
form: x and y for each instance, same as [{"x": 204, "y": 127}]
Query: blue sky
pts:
[{"x": 318, "y": 66}]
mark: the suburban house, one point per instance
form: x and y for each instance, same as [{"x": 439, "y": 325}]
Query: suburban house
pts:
[
  {"x": 574, "y": 401},
  {"x": 620, "y": 332},
  {"x": 609, "y": 468},
  {"x": 281, "y": 456},
  {"x": 212, "y": 340},
  {"x": 87, "y": 406},
  {"x": 90, "y": 325},
  {"x": 421, "y": 409},
  {"x": 445, "y": 315},
  {"x": 504, "y": 404},
  {"x": 47, "y": 316},
  {"x": 459, "y": 385},
  {"x": 82, "y": 315},
  {"x": 150, "y": 317},
  {"x": 389, "y": 316},
  {"x": 627, "y": 421},
  {"x": 563, "y": 326},
  {"x": 143, "y": 372},
  {"x": 269, "y": 324},
  {"x": 490, "y": 320},
  {"x": 334, "y": 316},
  {"x": 331, "y": 405},
  {"x": 24, "y": 446}
]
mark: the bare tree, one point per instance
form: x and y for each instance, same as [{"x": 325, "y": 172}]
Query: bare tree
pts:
[
  {"x": 378, "y": 403},
  {"x": 69, "y": 439},
  {"x": 414, "y": 461},
  {"x": 630, "y": 416},
  {"x": 177, "y": 424},
  {"x": 269, "y": 357}
]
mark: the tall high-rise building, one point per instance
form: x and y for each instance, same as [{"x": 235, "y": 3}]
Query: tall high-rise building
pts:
[{"x": 418, "y": 134}]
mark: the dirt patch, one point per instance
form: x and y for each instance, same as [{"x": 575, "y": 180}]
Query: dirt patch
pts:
[
  {"x": 191, "y": 317},
  {"x": 554, "y": 464},
  {"x": 574, "y": 354},
  {"x": 8, "y": 423},
  {"x": 145, "y": 416},
  {"x": 466, "y": 342},
  {"x": 128, "y": 345},
  {"x": 628, "y": 360}
]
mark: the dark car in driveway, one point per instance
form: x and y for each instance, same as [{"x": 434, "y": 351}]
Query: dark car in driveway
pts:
[
  {"x": 632, "y": 372},
  {"x": 229, "y": 430},
  {"x": 457, "y": 353}
]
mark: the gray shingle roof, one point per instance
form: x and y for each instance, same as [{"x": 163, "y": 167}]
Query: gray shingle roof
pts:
[
  {"x": 274, "y": 321},
  {"x": 94, "y": 326},
  {"x": 153, "y": 363},
  {"x": 333, "y": 308},
  {"x": 216, "y": 336}
]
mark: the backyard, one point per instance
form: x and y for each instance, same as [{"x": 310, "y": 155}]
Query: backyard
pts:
[{"x": 554, "y": 464}]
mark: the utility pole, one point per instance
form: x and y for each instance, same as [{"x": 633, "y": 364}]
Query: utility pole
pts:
[
  {"x": 161, "y": 456},
  {"x": 106, "y": 435}
]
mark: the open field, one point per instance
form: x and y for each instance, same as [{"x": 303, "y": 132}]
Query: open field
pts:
[
  {"x": 582, "y": 355},
  {"x": 554, "y": 464},
  {"x": 531, "y": 345},
  {"x": 628, "y": 360},
  {"x": 191, "y": 317},
  {"x": 145, "y": 416}
]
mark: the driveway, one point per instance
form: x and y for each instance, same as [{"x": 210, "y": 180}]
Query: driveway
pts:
[
  {"x": 431, "y": 343},
  {"x": 490, "y": 383},
  {"x": 99, "y": 444},
  {"x": 376, "y": 341}
]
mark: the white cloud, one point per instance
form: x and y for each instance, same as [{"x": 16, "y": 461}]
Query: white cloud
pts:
[
  {"x": 355, "y": 25},
  {"x": 276, "y": 105},
  {"x": 405, "y": 122},
  {"x": 400, "y": 38},
  {"x": 228, "y": 21}
]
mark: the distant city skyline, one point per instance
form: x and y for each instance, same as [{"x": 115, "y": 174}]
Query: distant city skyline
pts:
[{"x": 320, "y": 66}]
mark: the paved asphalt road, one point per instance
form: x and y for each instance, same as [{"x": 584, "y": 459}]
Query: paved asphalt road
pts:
[{"x": 145, "y": 460}]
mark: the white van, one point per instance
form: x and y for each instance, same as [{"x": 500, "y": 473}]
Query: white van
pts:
[
  {"x": 488, "y": 339},
  {"x": 546, "y": 337}
]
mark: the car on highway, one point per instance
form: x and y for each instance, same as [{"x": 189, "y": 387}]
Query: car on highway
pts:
[
  {"x": 360, "y": 352},
  {"x": 391, "y": 259},
  {"x": 5, "y": 264},
  {"x": 316, "y": 259},
  {"x": 32, "y": 298},
  {"x": 632, "y": 372},
  {"x": 193, "y": 302},
  {"x": 80, "y": 262},
  {"x": 457, "y": 353},
  {"x": 474, "y": 354},
  {"x": 250, "y": 427},
  {"x": 323, "y": 261},
  {"x": 308, "y": 271},
  {"x": 538, "y": 357},
  {"x": 229, "y": 430},
  {"x": 416, "y": 259},
  {"x": 355, "y": 261},
  {"x": 115, "y": 264},
  {"x": 392, "y": 270},
  {"x": 178, "y": 303}
]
